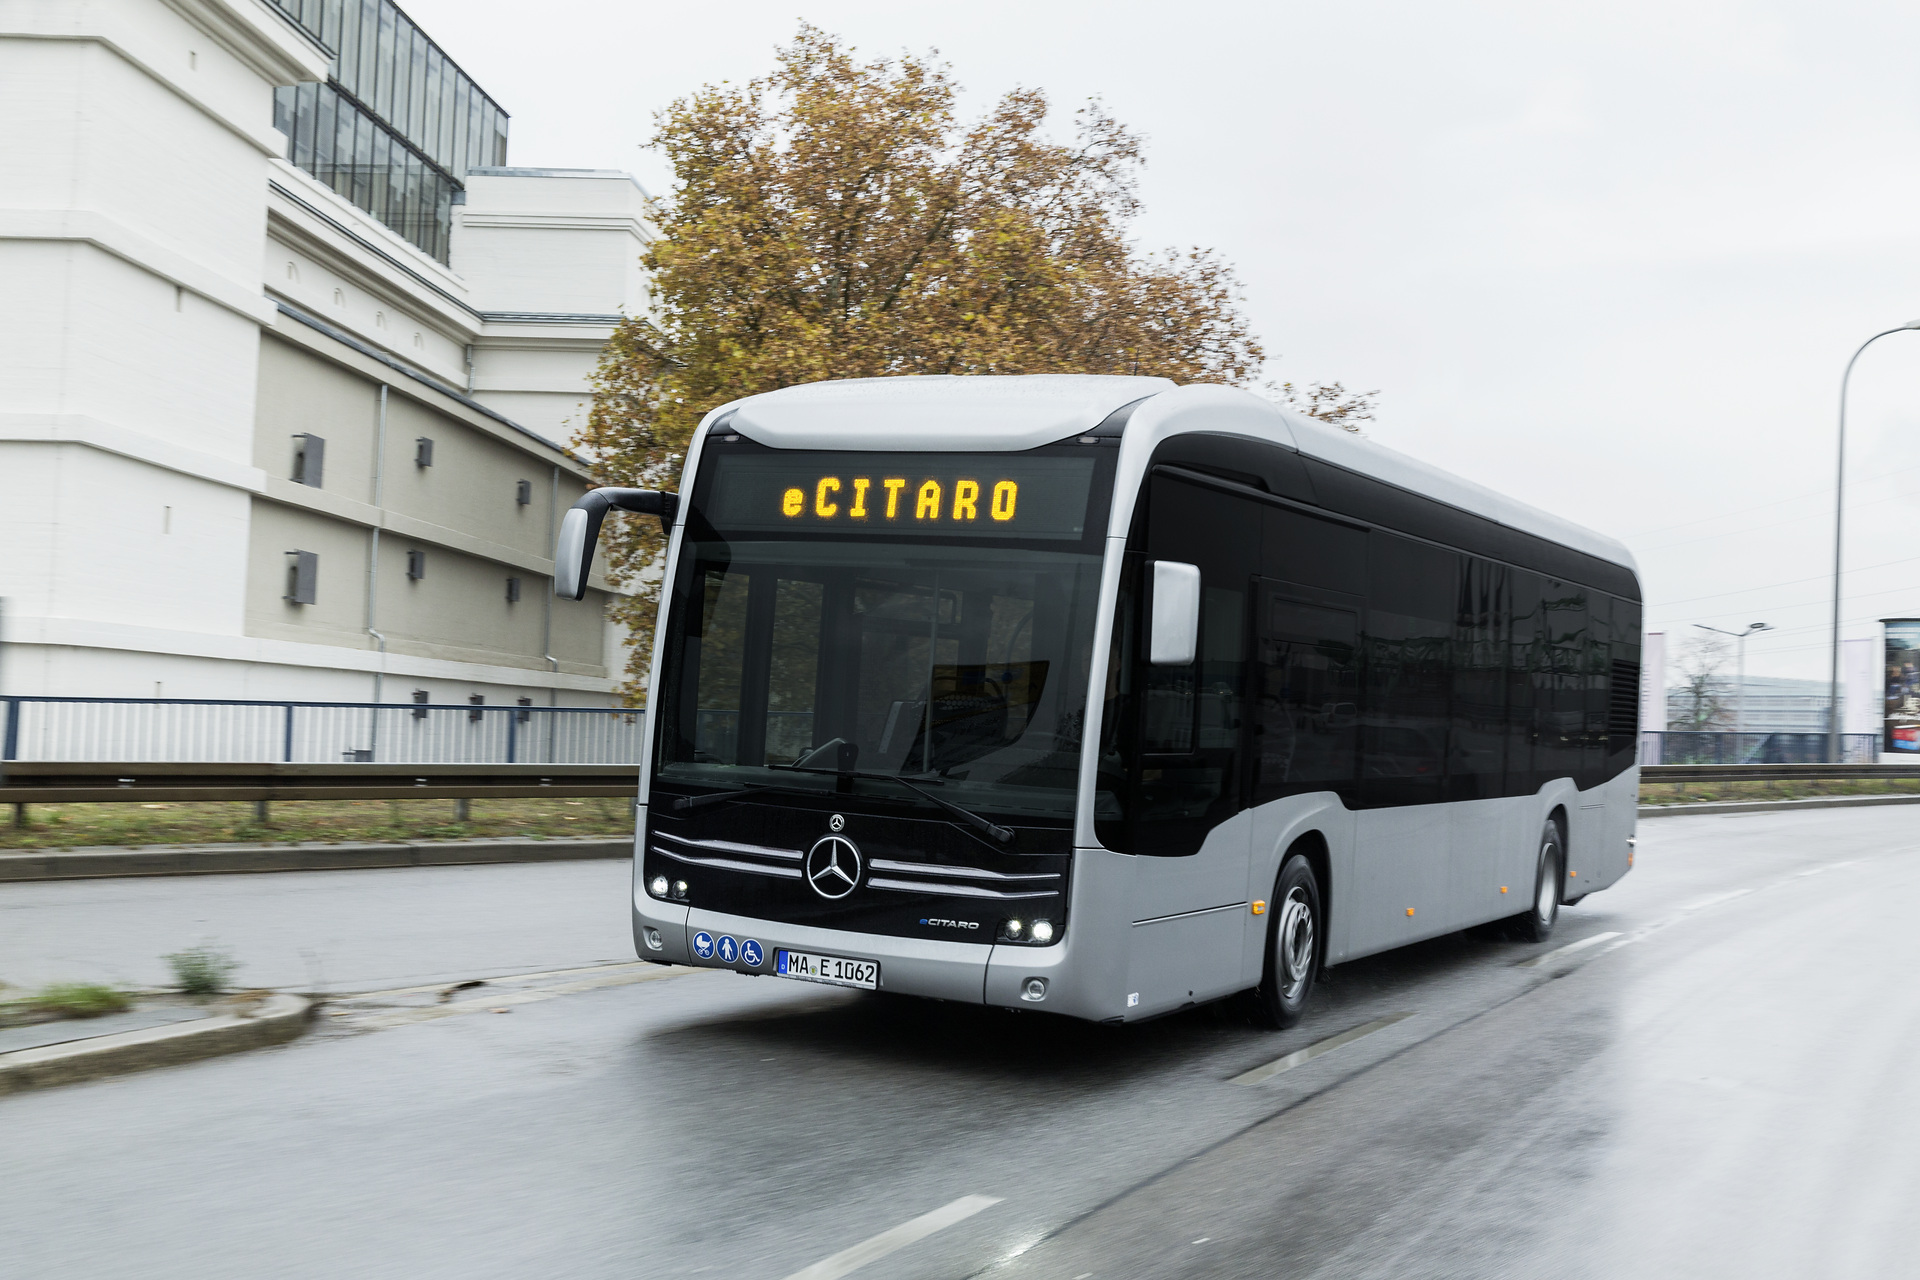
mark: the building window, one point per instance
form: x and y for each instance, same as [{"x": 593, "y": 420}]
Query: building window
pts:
[
  {"x": 419, "y": 704},
  {"x": 523, "y": 492},
  {"x": 303, "y": 576},
  {"x": 513, "y": 591},
  {"x": 474, "y": 703},
  {"x": 309, "y": 459},
  {"x": 396, "y": 126},
  {"x": 416, "y": 565},
  {"x": 422, "y": 452}
]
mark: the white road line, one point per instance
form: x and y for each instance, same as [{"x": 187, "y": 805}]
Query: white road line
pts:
[
  {"x": 1567, "y": 950},
  {"x": 848, "y": 1261},
  {"x": 1313, "y": 1051}
]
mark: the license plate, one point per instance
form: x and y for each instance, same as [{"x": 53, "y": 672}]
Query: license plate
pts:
[{"x": 837, "y": 971}]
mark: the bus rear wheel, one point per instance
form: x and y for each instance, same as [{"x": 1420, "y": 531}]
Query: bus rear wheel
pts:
[
  {"x": 1293, "y": 946},
  {"x": 1536, "y": 923}
]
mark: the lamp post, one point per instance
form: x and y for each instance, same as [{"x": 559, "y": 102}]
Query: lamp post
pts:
[
  {"x": 1839, "y": 494},
  {"x": 1740, "y": 680}
]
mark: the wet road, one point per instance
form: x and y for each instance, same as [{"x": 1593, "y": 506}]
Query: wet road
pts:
[{"x": 1723, "y": 1086}]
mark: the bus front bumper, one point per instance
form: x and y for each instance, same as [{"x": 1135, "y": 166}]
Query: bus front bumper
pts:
[{"x": 968, "y": 972}]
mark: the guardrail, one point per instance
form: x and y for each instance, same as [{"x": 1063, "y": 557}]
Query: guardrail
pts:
[
  {"x": 92, "y": 782},
  {"x": 218, "y": 731},
  {"x": 1777, "y": 772}
]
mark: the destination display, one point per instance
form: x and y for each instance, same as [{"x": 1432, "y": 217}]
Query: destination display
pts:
[{"x": 910, "y": 494}]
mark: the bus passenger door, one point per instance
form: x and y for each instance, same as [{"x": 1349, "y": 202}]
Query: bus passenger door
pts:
[{"x": 1189, "y": 825}]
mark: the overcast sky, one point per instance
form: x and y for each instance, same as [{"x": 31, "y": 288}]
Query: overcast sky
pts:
[{"x": 1609, "y": 259}]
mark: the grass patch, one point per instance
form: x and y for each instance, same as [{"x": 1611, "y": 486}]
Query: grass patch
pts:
[
  {"x": 202, "y": 971},
  {"x": 68, "y": 1000},
  {"x": 56, "y": 826},
  {"x": 1665, "y": 793}
]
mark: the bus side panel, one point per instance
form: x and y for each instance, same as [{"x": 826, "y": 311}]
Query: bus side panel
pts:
[
  {"x": 1277, "y": 826},
  {"x": 1492, "y": 849},
  {"x": 1401, "y": 859},
  {"x": 1597, "y": 847}
]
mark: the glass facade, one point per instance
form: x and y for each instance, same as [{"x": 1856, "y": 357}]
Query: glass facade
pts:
[{"x": 396, "y": 126}]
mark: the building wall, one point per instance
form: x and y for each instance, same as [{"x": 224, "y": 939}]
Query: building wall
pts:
[{"x": 152, "y": 243}]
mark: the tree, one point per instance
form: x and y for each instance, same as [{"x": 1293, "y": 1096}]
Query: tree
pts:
[
  {"x": 1330, "y": 402},
  {"x": 836, "y": 218},
  {"x": 1702, "y": 666}
]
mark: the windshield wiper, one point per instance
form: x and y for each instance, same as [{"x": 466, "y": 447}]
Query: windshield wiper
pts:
[
  {"x": 683, "y": 803},
  {"x": 994, "y": 831}
]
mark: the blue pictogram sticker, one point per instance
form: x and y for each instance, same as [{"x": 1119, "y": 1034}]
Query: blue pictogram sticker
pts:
[
  {"x": 703, "y": 945},
  {"x": 751, "y": 954},
  {"x": 728, "y": 948}
]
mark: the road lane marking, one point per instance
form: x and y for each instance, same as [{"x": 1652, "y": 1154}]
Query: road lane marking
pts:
[
  {"x": 1313, "y": 1051},
  {"x": 1567, "y": 950},
  {"x": 848, "y": 1261}
]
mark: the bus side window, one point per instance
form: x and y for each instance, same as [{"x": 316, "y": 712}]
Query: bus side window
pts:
[
  {"x": 1307, "y": 696},
  {"x": 1528, "y": 700},
  {"x": 1413, "y": 592}
]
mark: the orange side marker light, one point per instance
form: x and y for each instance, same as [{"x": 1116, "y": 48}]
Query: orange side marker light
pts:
[
  {"x": 1259, "y": 906},
  {"x": 1503, "y": 888},
  {"x": 1409, "y": 910}
]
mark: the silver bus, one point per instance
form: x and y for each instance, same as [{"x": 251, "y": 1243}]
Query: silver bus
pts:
[{"x": 1106, "y": 697}]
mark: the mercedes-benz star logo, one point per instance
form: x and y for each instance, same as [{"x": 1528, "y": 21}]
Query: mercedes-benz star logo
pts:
[
  {"x": 838, "y": 822},
  {"x": 833, "y": 867}
]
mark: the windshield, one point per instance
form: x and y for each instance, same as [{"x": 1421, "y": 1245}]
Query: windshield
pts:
[{"x": 958, "y": 664}]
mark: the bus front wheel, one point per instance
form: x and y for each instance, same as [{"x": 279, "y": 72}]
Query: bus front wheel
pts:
[{"x": 1293, "y": 946}]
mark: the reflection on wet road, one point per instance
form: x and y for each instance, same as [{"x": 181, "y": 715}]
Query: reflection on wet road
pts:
[{"x": 1706, "y": 1072}]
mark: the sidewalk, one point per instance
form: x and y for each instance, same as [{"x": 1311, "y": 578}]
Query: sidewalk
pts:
[{"x": 217, "y": 859}]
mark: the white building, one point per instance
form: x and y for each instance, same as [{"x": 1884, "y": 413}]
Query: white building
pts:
[{"x": 287, "y": 358}]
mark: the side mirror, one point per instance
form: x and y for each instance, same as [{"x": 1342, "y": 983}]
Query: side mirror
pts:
[
  {"x": 1176, "y": 614},
  {"x": 580, "y": 532}
]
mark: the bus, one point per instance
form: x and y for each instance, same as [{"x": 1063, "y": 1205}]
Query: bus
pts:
[{"x": 1106, "y": 696}]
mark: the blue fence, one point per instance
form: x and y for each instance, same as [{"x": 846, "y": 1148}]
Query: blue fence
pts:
[{"x": 234, "y": 731}]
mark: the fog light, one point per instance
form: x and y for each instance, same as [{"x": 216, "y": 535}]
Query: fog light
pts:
[
  {"x": 657, "y": 886},
  {"x": 1043, "y": 931},
  {"x": 1015, "y": 928},
  {"x": 653, "y": 939},
  {"x": 679, "y": 888},
  {"x": 1035, "y": 990}
]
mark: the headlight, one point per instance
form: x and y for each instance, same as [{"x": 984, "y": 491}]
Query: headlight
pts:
[
  {"x": 1043, "y": 931},
  {"x": 657, "y": 886}
]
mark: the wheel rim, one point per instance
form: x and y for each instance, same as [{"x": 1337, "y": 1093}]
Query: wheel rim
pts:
[
  {"x": 1547, "y": 900},
  {"x": 1296, "y": 943}
]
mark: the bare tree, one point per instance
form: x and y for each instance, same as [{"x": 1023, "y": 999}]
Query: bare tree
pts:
[{"x": 1704, "y": 687}]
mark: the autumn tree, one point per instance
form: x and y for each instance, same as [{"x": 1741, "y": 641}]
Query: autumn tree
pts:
[{"x": 837, "y": 218}]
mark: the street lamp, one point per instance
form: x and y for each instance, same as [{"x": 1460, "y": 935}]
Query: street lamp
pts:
[
  {"x": 1839, "y": 493},
  {"x": 1740, "y": 685}
]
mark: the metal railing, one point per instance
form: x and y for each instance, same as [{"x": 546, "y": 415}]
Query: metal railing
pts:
[
  {"x": 248, "y": 730},
  {"x": 1675, "y": 747}
]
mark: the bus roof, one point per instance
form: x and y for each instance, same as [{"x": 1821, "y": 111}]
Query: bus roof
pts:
[{"x": 995, "y": 413}]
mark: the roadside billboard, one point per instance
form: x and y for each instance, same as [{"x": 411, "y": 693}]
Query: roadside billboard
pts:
[{"x": 1902, "y": 714}]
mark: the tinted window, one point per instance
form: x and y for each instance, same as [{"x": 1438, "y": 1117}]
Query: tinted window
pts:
[
  {"x": 1476, "y": 766},
  {"x": 1319, "y": 553},
  {"x": 1413, "y": 593},
  {"x": 1183, "y": 728},
  {"x": 1307, "y": 699}
]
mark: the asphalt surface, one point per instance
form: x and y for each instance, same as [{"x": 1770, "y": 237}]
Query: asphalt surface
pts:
[
  {"x": 1722, "y": 1087},
  {"x": 321, "y": 931}
]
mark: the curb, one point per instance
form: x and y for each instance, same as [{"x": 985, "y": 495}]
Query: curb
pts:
[
  {"x": 1772, "y": 806},
  {"x": 278, "y": 1019},
  {"x": 219, "y": 859}
]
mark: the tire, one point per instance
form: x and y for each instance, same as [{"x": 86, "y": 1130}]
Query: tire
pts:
[
  {"x": 1295, "y": 930},
  {"x": 1536, "y": 923}
]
